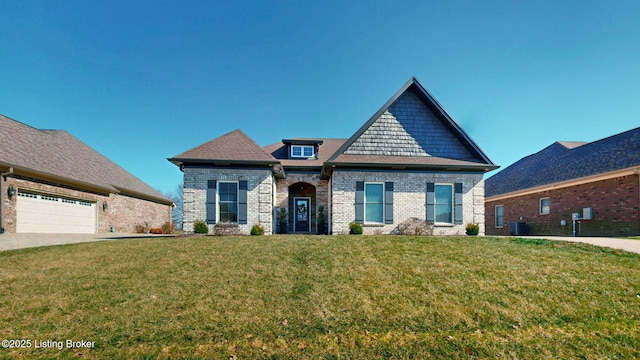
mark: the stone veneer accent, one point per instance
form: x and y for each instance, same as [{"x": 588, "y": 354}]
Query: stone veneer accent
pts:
[
  {"x": 409, "y": 199},
  {"x": 259, "y": 196},
  {"x": 123, "y": 212}
]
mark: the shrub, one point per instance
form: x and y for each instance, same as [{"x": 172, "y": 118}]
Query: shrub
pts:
[
  {"x": 155, "y": 231},
  {"x": 414, "y": 226},
  {"x": 257, "y": 229},
  {"x": 142, "y": 228},
  {"x": 472, "y": 229},
  {"x": 355, "y": 228},
  {"x": 225, "y": 229},
  {"x": 168, "y": 228},
  {"x": 200, "y": 227}
]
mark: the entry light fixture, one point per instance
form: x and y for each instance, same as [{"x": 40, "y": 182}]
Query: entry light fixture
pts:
[
  {"x": 105, "y": 206},
  {"x": 11, "y": 191}
]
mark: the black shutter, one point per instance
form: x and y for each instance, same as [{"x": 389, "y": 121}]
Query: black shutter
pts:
[
  {"x": 242, "y": 201},
  {"x": 388, "y": 202},
  {"x": 211, "y": 201},
  {"x": 457, "y": 200},
  {"x": 431, "y": 202},
  {"x": 359, "y": 202}
]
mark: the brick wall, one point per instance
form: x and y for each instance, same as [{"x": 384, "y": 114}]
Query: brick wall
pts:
[
  {"x": 259, "y": 195},
  {"x": 123, "y": 212},
  {"x": 409, "y": 199},
  {"x": 615, "y": 203}
]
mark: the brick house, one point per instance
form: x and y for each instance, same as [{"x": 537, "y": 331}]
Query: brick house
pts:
[
  {"x": 51, "y": 182},
  {"x": 410, "y": 159},
  {"x": 597, "y": 184}
]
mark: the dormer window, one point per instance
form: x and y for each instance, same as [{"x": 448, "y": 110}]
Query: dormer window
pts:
[{"x": 301, "y": 151}]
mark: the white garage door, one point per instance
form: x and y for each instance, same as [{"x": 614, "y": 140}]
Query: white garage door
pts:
[{"x": 38, "y": 213}]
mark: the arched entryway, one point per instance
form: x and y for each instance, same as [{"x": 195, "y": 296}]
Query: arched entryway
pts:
[{"x": 302, "y": 208}]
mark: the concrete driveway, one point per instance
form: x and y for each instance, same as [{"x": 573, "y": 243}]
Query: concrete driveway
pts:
[{"x": 21, "y": 241}]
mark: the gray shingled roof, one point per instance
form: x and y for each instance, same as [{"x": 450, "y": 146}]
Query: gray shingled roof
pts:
[
  {"x": 232, "y": 147},
  {"x": 59, "y": 155},
  {"x": 562, "y": 161}
]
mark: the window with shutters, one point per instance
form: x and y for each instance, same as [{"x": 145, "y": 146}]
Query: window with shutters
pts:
[
  {"x": 227, "y": 201},
  {"x": 374, "y": 203},
  {"x": 444, "y": 203}
]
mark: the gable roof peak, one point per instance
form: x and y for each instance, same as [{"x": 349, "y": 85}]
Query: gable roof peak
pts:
[
  {"x": 405, "y": 133},
  {"x": 234, "y": 147}
]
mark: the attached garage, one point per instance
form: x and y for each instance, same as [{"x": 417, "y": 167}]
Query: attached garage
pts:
[{"x": 46, "y": 213}]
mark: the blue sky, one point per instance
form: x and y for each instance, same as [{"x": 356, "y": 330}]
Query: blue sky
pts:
[{"x": 141, "y": 81}]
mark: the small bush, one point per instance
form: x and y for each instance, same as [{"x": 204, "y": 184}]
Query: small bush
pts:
[
  {"x": 168, "y": 228},
  {"x": 142, "y": 228},
  {"x": 226, "y": 229},
  {"x": 355, "y": 228},
  {"x": 472, "y": 229},
  {"x": 257, "y": 229},
  {"x": 200, "y": 227},
  {"x": 155, "y": 231},
  {"x": 414, "y": 226}
]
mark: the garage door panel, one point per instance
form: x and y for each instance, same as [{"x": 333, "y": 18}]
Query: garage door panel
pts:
[{"x": 37, "y": 213}]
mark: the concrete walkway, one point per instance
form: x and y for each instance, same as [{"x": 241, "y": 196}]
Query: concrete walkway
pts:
[
  {"x": 21, "y": 241},
  {"x": 614, "y": 243}
]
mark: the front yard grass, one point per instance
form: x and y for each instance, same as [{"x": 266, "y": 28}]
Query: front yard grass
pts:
[{"x": 323, "y": 297}]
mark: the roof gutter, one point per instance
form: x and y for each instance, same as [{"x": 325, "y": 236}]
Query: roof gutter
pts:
[
  {"x": 401, "y": 166},
  {"x": 18, "y": 170}
]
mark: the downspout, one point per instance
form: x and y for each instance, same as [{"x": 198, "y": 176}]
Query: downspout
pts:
[{"x": 3, "y": 178}]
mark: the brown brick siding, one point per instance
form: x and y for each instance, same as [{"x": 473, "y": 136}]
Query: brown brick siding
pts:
[
  {"x": 123, "y": 212},
  {"x": 615, "y": 203}
]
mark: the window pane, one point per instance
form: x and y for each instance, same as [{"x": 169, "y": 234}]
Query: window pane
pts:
[
  {"x": 374, "y": 193},
  {"x": 374, "y": 198},
  {"x": 444, "y": 203},
  {"x": 545, "y": 207},
  {"x": 296, "y": 151},
  {"x": 308, "y": 151},
  {"x": 373, "y": 213},
  {"x": 499, "y": 216}
]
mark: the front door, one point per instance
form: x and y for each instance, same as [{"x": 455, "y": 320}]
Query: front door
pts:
[{"x": 302, "y": 215}]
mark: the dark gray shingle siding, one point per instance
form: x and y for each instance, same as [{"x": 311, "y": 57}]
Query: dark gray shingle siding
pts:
[{"x": 409, "y": 128}]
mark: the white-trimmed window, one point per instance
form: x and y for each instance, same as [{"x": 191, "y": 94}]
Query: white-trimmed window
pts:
[
  {"x": 444, "y": 203},
  {"x": 374, "y": 203},
  {"x": 545, "y": 206},
  {"x": 228, "y": 201},
  {"x": 301, "y": 151},
  {"x": 499, "y": 216}
]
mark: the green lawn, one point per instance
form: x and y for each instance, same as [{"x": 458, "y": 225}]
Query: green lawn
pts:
[{"x": 323, "y": 297}]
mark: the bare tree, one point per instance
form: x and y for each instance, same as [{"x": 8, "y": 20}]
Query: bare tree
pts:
[{"x": 177, "y": 197}]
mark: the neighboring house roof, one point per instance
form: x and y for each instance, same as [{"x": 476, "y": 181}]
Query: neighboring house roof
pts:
[
  {"x": 234, "y": 147},
  {"x": 325, "y": 151},
  {"x": 412, "y": 129},
  {"x": 563, "y": 161},
  {"x": 59, "y": 156}
]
